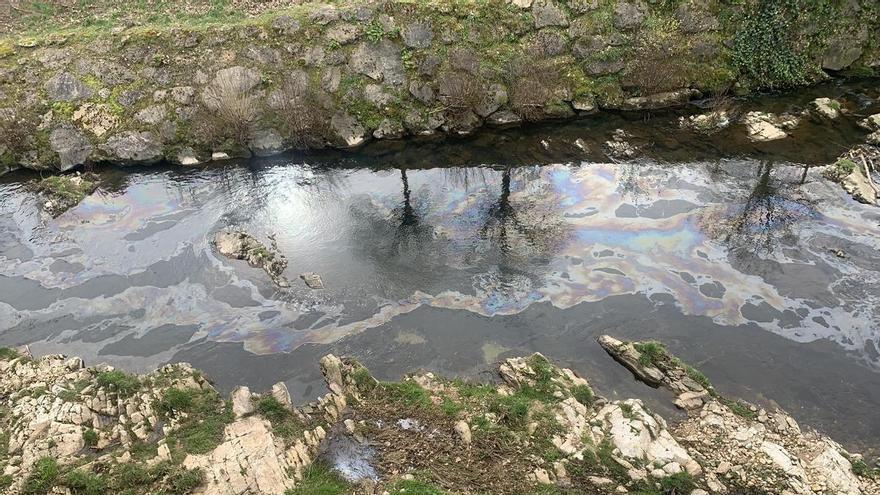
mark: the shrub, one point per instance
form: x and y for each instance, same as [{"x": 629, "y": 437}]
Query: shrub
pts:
[
  {"x": 125, "y": 384},
  {"x": 304, "y": 114},
  {"x": 532, "y": 85},
  {"x": 183, "y": 481},
  {"x": 459, "y": 92},
  {"x": 8, "y": 354},
  {"x": 678, "y": 483},
  {"x": 230, "y": 110},
  {"x": 43, "y": 476},
  {"x": 90, "y": 437},
  {"x": 176, "y": 400},
  {"x": 84, "y": 483}
]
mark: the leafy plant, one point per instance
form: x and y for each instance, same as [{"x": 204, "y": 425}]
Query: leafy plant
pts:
[
  {"x": 126, "y": 385},
  {"x": 764, "y": 47}
]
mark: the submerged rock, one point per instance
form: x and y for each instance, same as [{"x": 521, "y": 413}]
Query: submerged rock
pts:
[
  {"x": 706, "y": 123},
  {"x": 312, "y": 280},
  {"x": 241, "y": 245}
]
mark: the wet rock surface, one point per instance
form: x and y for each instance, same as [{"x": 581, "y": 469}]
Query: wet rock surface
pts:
[{"x": 241, "y": 245}]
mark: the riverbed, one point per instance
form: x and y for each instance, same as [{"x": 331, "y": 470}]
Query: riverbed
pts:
[{"x": 450, "y": 255}]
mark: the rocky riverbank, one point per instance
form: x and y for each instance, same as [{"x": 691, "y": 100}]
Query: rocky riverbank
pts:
[
  {"x": 538, "y": 428},
  {"x": 315, "y": 75}
]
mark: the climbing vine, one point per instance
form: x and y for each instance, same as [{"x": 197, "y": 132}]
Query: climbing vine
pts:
[{"x": 765, "y": 47}]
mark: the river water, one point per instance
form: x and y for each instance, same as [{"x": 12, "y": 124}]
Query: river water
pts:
[{"x": 451, "y": 255}]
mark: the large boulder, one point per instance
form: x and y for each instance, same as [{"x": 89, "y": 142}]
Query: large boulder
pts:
[
  {"x": 348, "y": 129},
  {"x": 629, "y": 14},
  {"x": 548, "y": 13},
  {"x": 267, "y": 142},
  {"x": 64, "y": 86},
  {"x": 72, "y": 147},
  {"x": 134, "y": 147},
  {"x": 379, "y": 61}
]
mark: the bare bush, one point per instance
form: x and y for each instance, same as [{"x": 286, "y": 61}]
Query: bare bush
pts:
[
  {"x": 532, "y": 85},
  {"x": 304, "y": 114},
  {"x": 231, "y": 108},
  {"x": 459, "y": 92},
  {"x": 659, "y": 62}
]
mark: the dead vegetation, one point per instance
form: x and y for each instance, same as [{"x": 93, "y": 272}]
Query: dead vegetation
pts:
[
  {"x": 16, "y": 134},
  {"x": 460, "y": 92},
  {"x": 304, "y": 114},
  {"x": 532, "y": 85},
  {"x": 230, "y": 110},
  {"x": 659, "y": 61}
]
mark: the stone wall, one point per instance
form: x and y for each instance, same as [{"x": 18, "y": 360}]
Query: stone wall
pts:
[{"x": 338, "y": 75}]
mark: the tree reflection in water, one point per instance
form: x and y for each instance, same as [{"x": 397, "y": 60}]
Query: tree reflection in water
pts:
[{"x": 765, "y": 219}]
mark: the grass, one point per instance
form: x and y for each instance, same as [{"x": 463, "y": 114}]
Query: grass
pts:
[
  {"x": 407, "y": 392},
  {"x": 739, "y": 408},
  {"x": 202, "y": 428},
  {"x": 678, "y": 483},
  {"x": 651, "y": 353},
  {"x": 43, "y": 476},
  {"x": 8, "y": 354},
  {"x": 72, "y": 394},
  {"x": 415, "y": 487},
  {"x": 284, "y": 423},
  {"x": 85, "y": 483},
  {"x": 320, "y": 479},
  {"x": 583, "y": 394},
  {"x": 125, "y": 384}
]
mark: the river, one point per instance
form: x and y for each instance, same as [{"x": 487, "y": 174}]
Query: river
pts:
[{"x": 451, "y": 254}]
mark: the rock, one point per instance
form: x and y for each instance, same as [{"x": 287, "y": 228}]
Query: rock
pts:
[
  {"x": 706, "y": 123},
  {"x": 628, "y": 356},
  {"x": 871, "y": 123},
  {"x": 348, "y": 129},
  {"x": 548, "y": 13},
  {"x": 763, "y": 126},
  {"x": 286, "y": 25},
  {"x": 64, "y": 86},
  {"x": 185, "y": 95},
  {"x": 72, "y": 147},
  {"x": 343, "y": 33},
  {"x": 542, "y": 476},
  {"x": 266, "y": 142},
  {"x": 643, "y": 437},
  {"x": 233, "y": 80},
  {"x": 389, "y": 129},
  {"x": 629, "y": 14},
  {"x": 241, "y": 402},
  {"x": 495, "y": 97},
  {"x": 860, "y": 187},
  {"x": 219, "y": 155},
  {"x": 422, "y": 91},
  {"x": 504, "y": 118},
  {"x": 873, "y": 138},
  {"x": 187, "y": 157},
  {"x": 826, "y": 108},
  {"x": 691, "y": 400},
  {"x": 660, "y": 100},
  {"x": 151, "y": 115},
  {"x": 379, "y": 61},
  {"x": 282, "y": 394},
  {"x": 243, "y": 246},
  {"x": 312, "y": 280},
  {"x": 841, "y": 53},
  {"x": 417, "y": 35},
  {"x": 695, "y": 17},
  {"x": 585, "y": 105},
  {"x": 463, "y": 430},
  {"x": 134, "y": 147},
  {"x": 837, "y": 472}
]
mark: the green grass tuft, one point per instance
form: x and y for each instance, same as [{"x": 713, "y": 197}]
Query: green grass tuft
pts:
[
  {"x": 651, "y": 353},
  {"x": 125, "y": 384},
  {"x": 43, "y": 476},
  {"x": 319, "y": 479}
]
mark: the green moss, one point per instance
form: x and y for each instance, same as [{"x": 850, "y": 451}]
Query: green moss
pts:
[
  {"x": 319, "y": 479},
  {"x": 123, "y": 383},
  {"x": 43, "y": 476}
]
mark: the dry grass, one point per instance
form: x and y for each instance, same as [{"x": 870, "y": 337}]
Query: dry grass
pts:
[
  {"x": 16, "y": 132},
  {"x": 304, "y": 115},
  {"x": 230, "y": 111},
  {"x": 460, "y": 92},
  {"x": 532, "y": 84}
]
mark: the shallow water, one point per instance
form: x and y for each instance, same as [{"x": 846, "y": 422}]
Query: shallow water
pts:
[{"x": 452, "y": 255}]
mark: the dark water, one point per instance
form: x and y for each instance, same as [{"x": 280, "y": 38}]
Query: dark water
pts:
[{"x": 451, "y": 255}]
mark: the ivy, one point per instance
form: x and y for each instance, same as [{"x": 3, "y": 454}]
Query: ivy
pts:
[{"x": 765, "y": 48}]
